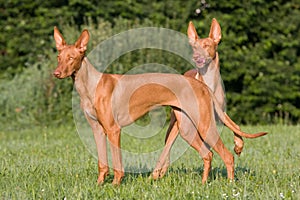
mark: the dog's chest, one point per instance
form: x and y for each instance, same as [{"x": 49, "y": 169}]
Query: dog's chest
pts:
[
  {"x": 212, "y": 78},
  {"x": 88, "y": 109}
]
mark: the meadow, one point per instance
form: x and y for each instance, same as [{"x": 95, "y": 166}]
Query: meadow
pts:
[{"x": 53, "y": 163}]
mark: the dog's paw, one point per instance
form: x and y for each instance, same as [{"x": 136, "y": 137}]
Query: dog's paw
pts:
[
  {"x": 239, "y": 145},
  {"x": 155, "y": 174},
  {"x": 101, "y": 178}
]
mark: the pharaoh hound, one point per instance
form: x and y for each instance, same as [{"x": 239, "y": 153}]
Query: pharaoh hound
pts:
[
  {"x": 207, "y": 70},
  {"x": 112, "y": 101}
]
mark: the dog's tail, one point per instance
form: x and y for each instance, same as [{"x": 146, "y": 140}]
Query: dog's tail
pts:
[{"x": 231, "y": 124}]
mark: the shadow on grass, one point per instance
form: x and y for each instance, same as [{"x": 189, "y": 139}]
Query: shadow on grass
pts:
[
  {"x": 129, "y": 176},
  {"x": 213, "y": 175},
  {"x": 222, "y": 172}
]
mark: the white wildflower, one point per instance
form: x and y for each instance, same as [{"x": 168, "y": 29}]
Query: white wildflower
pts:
[{"x": 281, "y": 195}]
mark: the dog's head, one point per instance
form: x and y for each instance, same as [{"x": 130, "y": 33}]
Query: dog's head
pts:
[
  {"x": 69, "y": 56},
  {"x": 204, "y": 49}
]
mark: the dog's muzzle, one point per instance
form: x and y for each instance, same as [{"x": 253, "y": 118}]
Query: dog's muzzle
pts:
[{"x": 201, "y": 61}]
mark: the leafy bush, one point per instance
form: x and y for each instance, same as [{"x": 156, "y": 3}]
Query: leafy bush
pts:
[{"x": 35, "y": 98}]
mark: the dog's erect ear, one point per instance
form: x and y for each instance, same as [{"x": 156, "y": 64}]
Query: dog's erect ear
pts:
[
  {"x": 59, "y": 40},
  {"x": 215, "y": 31},
  {"x": 192, "y": 33},
  {"x": 82, "y": 41}
]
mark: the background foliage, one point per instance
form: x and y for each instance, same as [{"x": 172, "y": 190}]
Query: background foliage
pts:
[{"x": 259, "y": 52}]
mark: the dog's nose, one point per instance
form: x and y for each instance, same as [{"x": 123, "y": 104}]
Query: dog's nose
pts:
[{"x": 56, "y": 73}]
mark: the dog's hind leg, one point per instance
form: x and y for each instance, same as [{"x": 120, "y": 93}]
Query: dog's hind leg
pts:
[
  {"x": 190, "y": 134},
  {"x": 214, "y": 140}
]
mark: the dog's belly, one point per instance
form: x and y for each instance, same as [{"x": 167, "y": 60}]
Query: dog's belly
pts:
[{"x": 136, "y": 103}]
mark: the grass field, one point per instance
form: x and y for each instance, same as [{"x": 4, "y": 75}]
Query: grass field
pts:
[{"x": 52, "y": 163}]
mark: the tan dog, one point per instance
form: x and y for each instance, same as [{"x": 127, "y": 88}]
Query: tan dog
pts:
[
  {"x": 208, "y": 67},
  {"x": 206, "y": 58},
  {"x": 112, "y": 101}
]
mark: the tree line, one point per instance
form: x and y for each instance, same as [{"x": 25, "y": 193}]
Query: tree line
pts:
[{"x": 259, "y": 52}]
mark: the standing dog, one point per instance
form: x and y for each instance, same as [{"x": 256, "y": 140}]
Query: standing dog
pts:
[
  {"x": 112, "y": 101},
  {"x": 207, "y": 70}
]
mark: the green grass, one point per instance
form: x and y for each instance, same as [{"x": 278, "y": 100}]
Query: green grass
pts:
[{"x": 52, "y": 163}]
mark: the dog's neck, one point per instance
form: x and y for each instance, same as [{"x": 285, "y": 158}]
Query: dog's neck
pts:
[
  {"x": 210, "y": 73},
  {"x": 86, "y": 80}
]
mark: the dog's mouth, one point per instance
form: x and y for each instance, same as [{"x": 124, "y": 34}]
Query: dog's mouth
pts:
[{"x": 200, "y": 60}]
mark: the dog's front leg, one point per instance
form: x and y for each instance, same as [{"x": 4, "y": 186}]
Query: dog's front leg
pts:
[
  {"x": 115, "y": 147},
  {"x": 100, "y": 140},
  {"x": 103, "y": 168}
]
